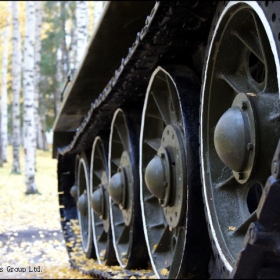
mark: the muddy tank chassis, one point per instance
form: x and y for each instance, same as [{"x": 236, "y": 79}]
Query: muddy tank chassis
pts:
[{"x": 176, "y": 164}]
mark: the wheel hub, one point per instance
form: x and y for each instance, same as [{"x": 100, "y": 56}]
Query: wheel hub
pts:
[
  {"x": 74, "y": 191},
  {"x": 235, "y": 137},
  {"x": 117, "y": 187},
  {"x": 120, "y": 185},
  {"x": 157, "y": 177},
  {"x": 82, "y": 204},
  {"x": 164, "y": 175},
  {"x": 97, "y": 202}
]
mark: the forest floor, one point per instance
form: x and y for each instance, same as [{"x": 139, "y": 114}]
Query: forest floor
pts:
[
  {"x": 32, "y": 245},
  {"x": 31, "y": 240}
]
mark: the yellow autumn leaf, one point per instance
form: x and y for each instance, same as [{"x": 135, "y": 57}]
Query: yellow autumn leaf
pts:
[
  {"x": 164, "y": 272},
  {"x": 115, "y": 267},
  {"x": 251, "y": 94}
]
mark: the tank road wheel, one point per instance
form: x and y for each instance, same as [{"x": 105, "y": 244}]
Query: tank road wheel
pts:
[
  {"x": 123, "y": 189},
  {"x": 239, "y": 121},
  {"x": 84, "y": 215},
  {"x": 171, "y": 198},
  {"x": 99, "y": 200}
]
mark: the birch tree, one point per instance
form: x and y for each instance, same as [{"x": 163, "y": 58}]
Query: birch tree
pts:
[
  {"x": 16, "y": 74},
  {"x": 40, "y": 133},
  {"x": 4, "y": 99},
  {"x": 62, "y": 56},
  {"x": 73, "y": 36},
  {"x": 97, "y": 11},
  {"x": 64, "y": 51},
  {"x": 28, "y": 100},
  {"x": 82, "y": 28},
  {"x": 73, "y": 48}
]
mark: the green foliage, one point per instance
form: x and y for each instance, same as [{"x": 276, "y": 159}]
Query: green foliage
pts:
[{"x": 56, "y": 15}]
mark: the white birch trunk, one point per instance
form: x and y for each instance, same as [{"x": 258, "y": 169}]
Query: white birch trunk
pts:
[
  {"x": 28, "y": 100},
  {"x": 82, "y": 28},
  {"x": 73, "y": 48},
  {"x": 97, "y": 11},
  {"x": 4, "y": 96},
  {"x": 16, "y": 81},
  {"x": 38, "y": 9}
]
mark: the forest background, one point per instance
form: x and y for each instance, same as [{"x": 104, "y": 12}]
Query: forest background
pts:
[{"x": 41, "y": 44}]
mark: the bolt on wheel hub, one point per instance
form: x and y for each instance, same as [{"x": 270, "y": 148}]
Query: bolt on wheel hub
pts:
[
  {"x": 164, "y": 175},
  {"x": 235, "y": 137}
]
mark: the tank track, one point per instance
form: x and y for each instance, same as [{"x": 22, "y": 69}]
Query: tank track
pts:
[
  {"x": 172, "y": 31},
  {"x": 172, "y": 34}
]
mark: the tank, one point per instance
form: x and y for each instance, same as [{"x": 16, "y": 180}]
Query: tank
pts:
[{"x": 167, "y": 141}]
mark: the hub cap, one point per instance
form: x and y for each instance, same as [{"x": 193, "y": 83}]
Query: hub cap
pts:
[
  {"x": 164, "y": 174},
  {"x": 97, "y": 202},
  {"x": 82, "y": 204},
  {"x": 235, "y": 137}
]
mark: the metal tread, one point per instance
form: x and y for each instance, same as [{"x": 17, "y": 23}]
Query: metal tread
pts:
[
  {"x": 168, "y": 33},
  {"x": 170, "y": 29}
]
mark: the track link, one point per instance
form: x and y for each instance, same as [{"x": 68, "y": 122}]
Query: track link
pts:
[{"x": 172, "y": 31}]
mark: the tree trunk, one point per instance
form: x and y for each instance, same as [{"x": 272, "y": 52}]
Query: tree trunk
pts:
[
  {"x": 65, "y": 54},
  {"x": 38, "y": 8},
  {"x": 28, "y": 100},
  {"x": 73, "y": 46},
  {"x": 97, "y": 11},
  {"x": 4, "y": 96},
  {"x": 82, "y": 29},
  {"x": 16, "y": 81}
]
